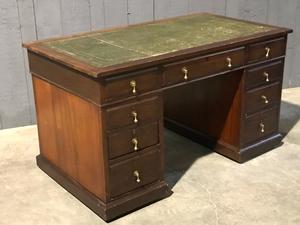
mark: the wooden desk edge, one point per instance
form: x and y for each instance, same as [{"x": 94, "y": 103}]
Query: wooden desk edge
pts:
[{"x": 105, "y": 72}]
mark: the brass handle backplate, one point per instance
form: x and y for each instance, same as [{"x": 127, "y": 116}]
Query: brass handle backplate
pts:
[
  {"x": 262, "y": 127},
  {"x": 266, "y": 75},
  {"x": 268, "y": 51},
  {"x": 137, "y": 176},
  {"x": 133, "y": 85},
  {"x": 185, "y": 72},
  {"x": 266, "y": 101},
  {"x": 135, "y": 144},
  {"x": 135, "y": 116},
  {"x": 229, "y": 61}
]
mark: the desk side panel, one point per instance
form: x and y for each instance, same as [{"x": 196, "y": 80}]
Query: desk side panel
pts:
[{"x": 70, "y": 135}]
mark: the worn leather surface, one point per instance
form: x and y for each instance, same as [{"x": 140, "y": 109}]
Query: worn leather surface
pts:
[{"x": 107, "y": 48}]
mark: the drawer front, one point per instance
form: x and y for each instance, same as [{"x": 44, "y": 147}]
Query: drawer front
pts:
[
  {"x": 263, "y": 98},
  {"x": 135, "y": 173},
  {"x": 139, "y": 112},
  {"x": 266, "y": 50},
  {"x": 132, "y": 140},
  {"x": 260, "y": 125},
  {"x": 131, "y": 86},
  {"x": 203, "y": 66},
  {"x": 264, "y": 75}
]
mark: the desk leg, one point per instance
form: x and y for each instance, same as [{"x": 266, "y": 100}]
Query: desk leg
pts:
[{"x": 73, "y": 152}]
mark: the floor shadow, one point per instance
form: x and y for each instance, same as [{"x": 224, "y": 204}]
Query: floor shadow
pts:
[
  {"x": 289, "y": 116},
  {"x": 181, "y": 153}
]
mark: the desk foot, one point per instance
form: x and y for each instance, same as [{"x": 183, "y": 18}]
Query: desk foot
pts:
[
  {"x": 112, "y": 209},
  {"x": 260, "y": 147}
]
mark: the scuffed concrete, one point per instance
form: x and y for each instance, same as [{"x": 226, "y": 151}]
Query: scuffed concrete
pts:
[{"x": 208, "y": 188}]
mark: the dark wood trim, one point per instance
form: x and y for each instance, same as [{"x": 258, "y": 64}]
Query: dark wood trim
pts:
[
  {"x": 97, "y": 72},
  {"x": 65, "y": 78},
  {"x": 261, "y": 147},
  {"x": 109, "y": 71},
  {"x": 65, "y": 60},
  {"x": 287, "y": 30},
  {"x": 113, "y": 209},
  {"x": 27, "y": 45}
]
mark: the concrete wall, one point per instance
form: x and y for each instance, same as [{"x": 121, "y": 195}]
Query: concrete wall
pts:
[{"x": 27, "y": 20}]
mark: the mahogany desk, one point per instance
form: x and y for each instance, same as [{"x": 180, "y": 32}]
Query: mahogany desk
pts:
[{"x": 103, "y": 99}]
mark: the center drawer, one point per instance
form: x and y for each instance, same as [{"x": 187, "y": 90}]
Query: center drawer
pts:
[
  {"x": 136, "y": 113},
  {"x": 135, "y": 172},
  {"x": 131, "y": 140},
  {"x": 203, "y": 66}
]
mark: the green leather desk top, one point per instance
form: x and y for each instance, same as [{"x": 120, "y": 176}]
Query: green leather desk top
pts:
[{"x": 106, "y": 48}]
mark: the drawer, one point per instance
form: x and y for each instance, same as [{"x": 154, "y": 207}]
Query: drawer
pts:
[
  {"x": 135, "y": 172},
  {"x": 203, "y": 66},
  {"x": 132, "y": 85},
  {"x": 130, "y": 140},
  {"x": 260, "y": 125},
  {"x": 139, "y": 112},
  {"x": 264, "y": 74},
  {"x": 263, "y": 98},
  {"x": 266, "y": 50}
]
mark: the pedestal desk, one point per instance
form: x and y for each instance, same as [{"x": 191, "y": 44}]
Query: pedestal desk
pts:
[{"x": 103, "y": 99}]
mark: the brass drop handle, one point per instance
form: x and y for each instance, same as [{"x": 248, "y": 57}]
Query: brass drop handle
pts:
[
  {"x": 133, "y": 85},
  {"x": 137, "y": 176},
  {"x": 268, "y": 50},
  {"x": 185, "y": 72},
  {"x": 265, "y": 99},
  {"x": 135, "y": 144},
  {"x": 229, "y": 61},
  {"x": 135, "y": 116},
  {"x": 266, "y": 75},
  {"x": 262, "y": 127}
]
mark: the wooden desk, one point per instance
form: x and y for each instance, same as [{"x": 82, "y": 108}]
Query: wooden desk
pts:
[{"x": 103, "y": 99}]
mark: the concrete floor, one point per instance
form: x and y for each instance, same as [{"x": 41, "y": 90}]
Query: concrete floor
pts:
[{"x": 208, "y": 188}]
